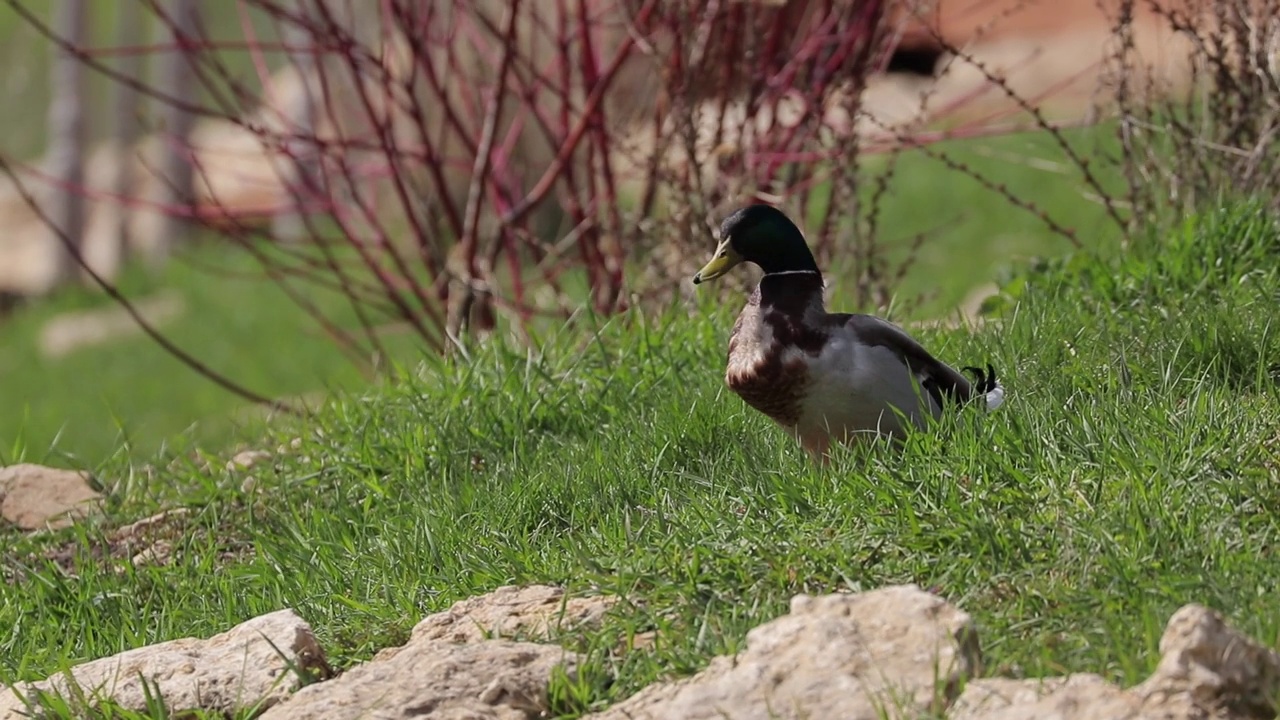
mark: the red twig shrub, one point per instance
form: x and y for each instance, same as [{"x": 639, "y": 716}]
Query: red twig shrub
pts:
[
  {"x": 439, "y": 162},
  {"x": 455, "y": 158},
  {"x": 1184, "y": 150}
]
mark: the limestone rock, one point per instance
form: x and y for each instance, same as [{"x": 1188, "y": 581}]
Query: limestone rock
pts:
[
  {"x": 1209, "y": 669},
  {"x": 986, "y": 696},
  {"x": 897, "y": 652},
  {"x": 433, "y": 680},
  {"x": 893, "y": 652},
  {"x": 246, "y": 459},
  {"x": 450, "y": 668},
  {"x": 527, "y": 612},
  {"x": 246, "y": 666},
  {"x": 1064, "y": 698},
  {"x": 35, "y": 497}
]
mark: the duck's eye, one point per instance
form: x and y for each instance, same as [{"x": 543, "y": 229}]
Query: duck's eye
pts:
[{"x": 724, "y": 253}]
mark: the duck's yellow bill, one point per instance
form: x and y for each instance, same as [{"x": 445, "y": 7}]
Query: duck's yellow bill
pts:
[{"x": 722, "y": 262}]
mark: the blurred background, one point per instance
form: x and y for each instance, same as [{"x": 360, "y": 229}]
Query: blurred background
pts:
[{"x": 212, "y": 205}]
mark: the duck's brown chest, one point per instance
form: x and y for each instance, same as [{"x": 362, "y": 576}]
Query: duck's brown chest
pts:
[
  {"x": 769, "y": 373},
  {"x": 776, "y": 389}
]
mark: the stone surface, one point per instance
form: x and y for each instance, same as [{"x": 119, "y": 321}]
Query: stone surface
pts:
[
  {"x": 893, "y": 652},
  {"x": 35, "y": 497},
  {"x": 1209, "y": 669},
  {"x": 530, "y": 612},
  {"x": 244, "y": 667},
  {"x": 985, "y": 696},
  {"x": 246, "y": 459},
  {"x": 1066, "y": 698},
  {"x": 461, "y": 663},
  {"x": 436, "y": 680},
  {"x": 897, "y": 652}
]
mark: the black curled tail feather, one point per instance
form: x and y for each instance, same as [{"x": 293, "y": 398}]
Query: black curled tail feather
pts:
[
  {"x": 987, "y": 385},
  {"x": 985, "y": 381}
]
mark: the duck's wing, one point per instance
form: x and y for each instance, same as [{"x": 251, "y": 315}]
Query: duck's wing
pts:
[{"x": 939, "y": 379}]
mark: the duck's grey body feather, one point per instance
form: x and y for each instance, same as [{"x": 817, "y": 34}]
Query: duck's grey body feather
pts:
[
  {"x": 825, "y": 377},
  {"x": 834, "y": 376}
]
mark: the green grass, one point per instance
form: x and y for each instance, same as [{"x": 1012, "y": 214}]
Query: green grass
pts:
[
  {"x": 972, "y": 233},
  {"x": 130, "y": 397},
  {"x": 1134, "y": 468}
]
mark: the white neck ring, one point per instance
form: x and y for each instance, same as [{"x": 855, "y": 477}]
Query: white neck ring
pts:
[{"x": 792, "y": 272}]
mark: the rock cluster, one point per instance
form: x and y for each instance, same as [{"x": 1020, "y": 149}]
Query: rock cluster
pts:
[
  {"x": 257, "y": 663},
  {"x": 895, "y": 652},
  {"x": 34, "y": 497}
]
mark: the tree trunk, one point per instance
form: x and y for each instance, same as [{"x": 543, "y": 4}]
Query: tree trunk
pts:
[
  {"x": 175, "y": 186},
  {"x": 126, "y": 126},
  {"x": 298, "y": 169},
  {"x": 67, "y": 139}
]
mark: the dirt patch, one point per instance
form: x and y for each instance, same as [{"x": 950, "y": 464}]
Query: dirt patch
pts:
[{"x": 151, "y": 541}]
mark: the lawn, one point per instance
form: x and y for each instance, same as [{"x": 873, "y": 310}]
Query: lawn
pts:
[
  {"x": 1133, "y": 468},
  {"x": 129, "y": 397}
]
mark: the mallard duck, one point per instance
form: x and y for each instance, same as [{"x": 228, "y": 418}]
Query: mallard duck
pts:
[{"x": 826, "y": 377}]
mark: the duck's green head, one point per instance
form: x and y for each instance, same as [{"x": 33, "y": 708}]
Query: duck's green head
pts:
[{"x": 760, "y": 234}]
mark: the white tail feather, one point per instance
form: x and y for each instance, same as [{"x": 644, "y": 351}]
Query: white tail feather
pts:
[{"x": 995, "y": 397}]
